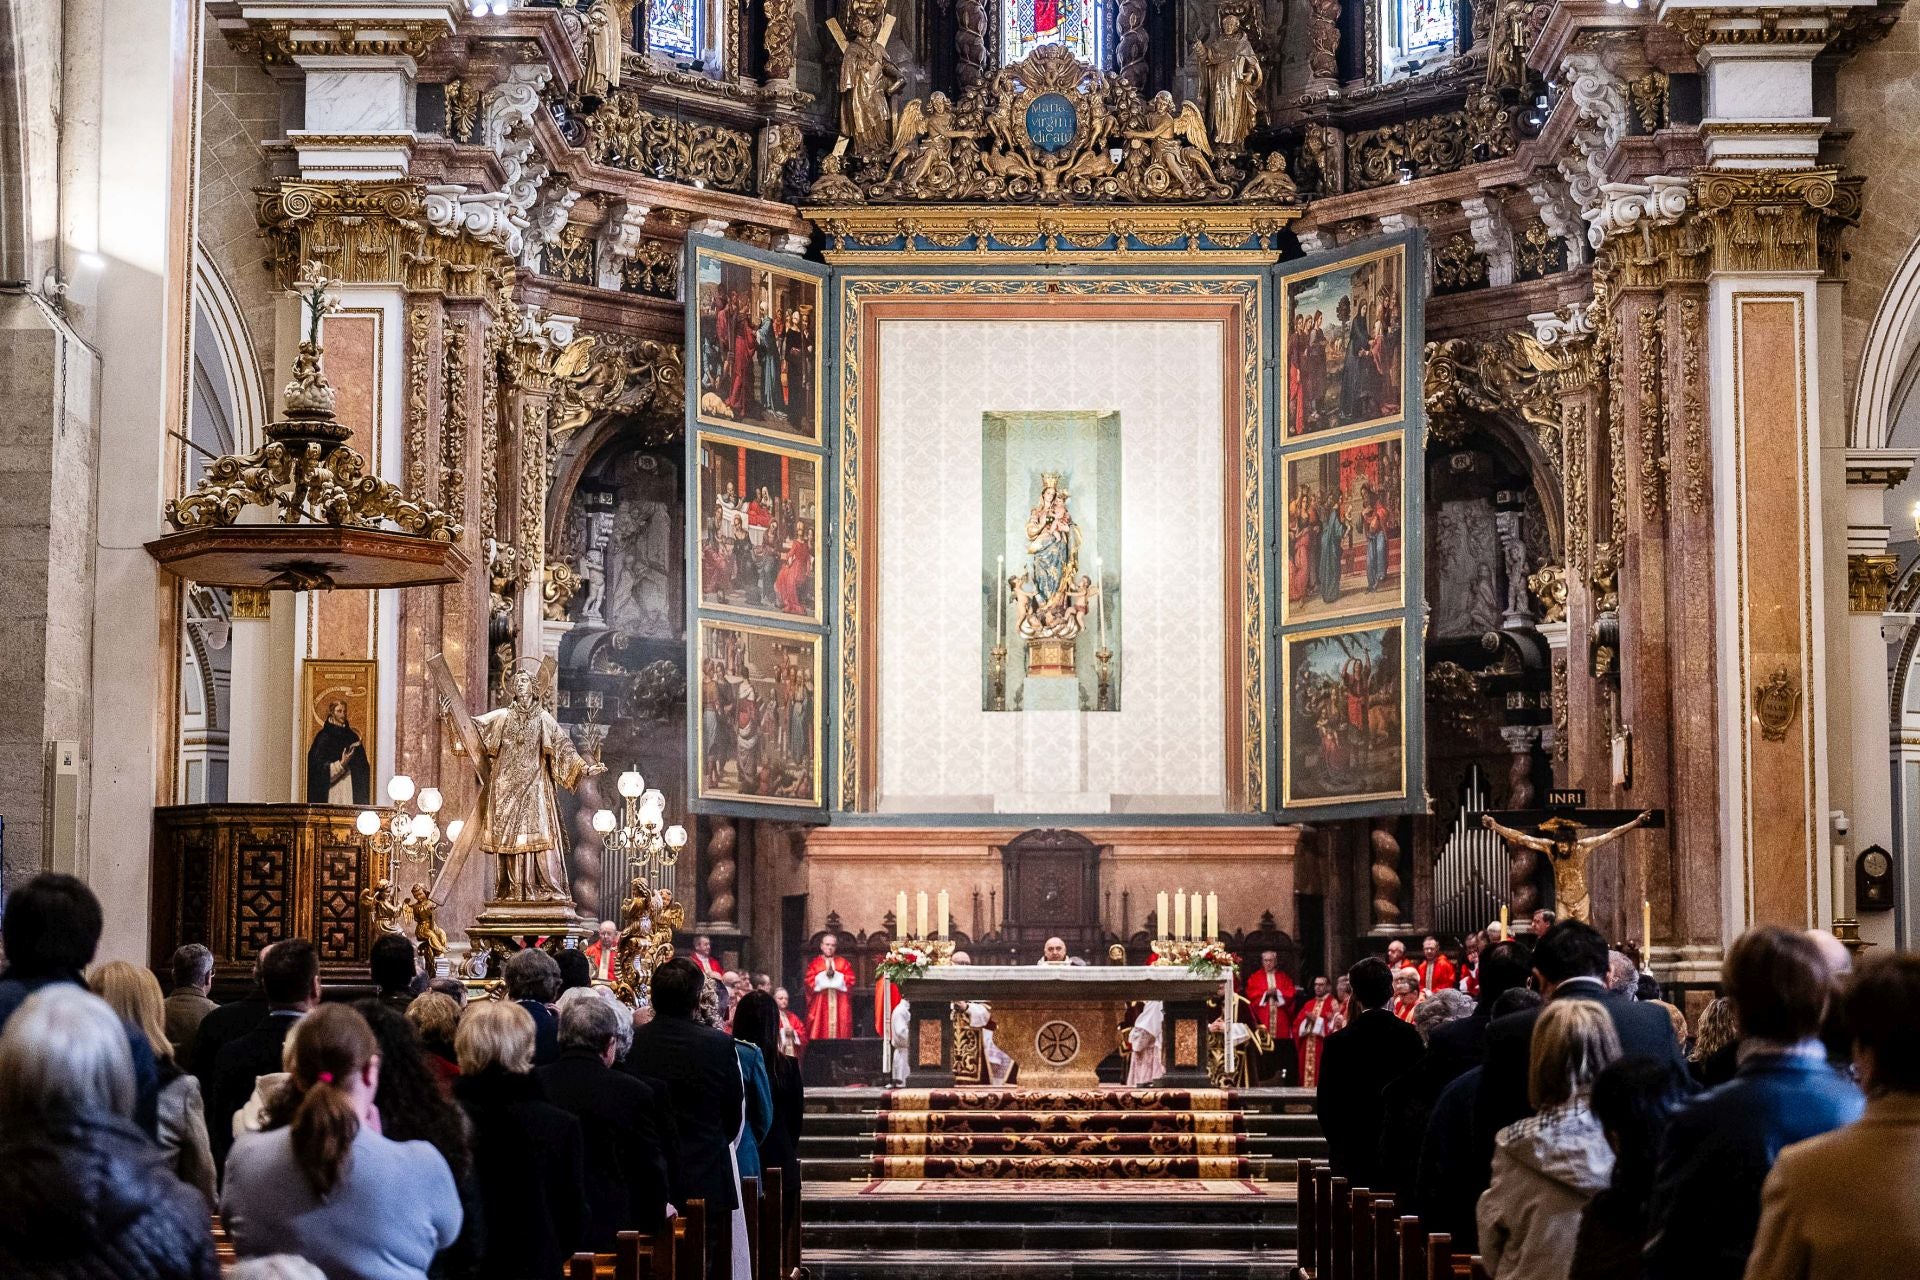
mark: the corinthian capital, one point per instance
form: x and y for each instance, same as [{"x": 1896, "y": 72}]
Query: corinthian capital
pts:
[{"x": 1624, "y": 206}]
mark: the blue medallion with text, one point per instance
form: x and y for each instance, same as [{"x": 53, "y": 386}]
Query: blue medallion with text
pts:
[{"x": 1051, "y": 121}]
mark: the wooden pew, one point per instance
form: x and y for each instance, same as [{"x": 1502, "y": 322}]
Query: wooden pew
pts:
[
  {"x": 1439, "y": 1257},
  {"x": 1342, "y": 1231},
  {"x": 1375, "y": 1239},
  {"x": 1305, "y": 1191},
  {"x": 582, "y": 1266},
  {"x": 770, "y": 1263},
  {"x": 1360, "y": 1235},
  {"x": 750, "y": 1204},
  {"x": 1322, "y": 1220}
]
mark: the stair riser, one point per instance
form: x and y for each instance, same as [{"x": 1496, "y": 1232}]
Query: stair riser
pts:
[
  {"x": 1000, "y": 1213},
  {"x": 1017, "y": 1237}
]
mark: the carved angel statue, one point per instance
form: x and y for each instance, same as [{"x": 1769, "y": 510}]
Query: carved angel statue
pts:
[
  {"x": 430, "y": 937},
  {"x": 1168, "y": 152},
  {"x": 1231, "y": 77},
  {"x": 384, "y": 901},
  {"x": 833, "y": 184},
  {"x": 868, "y": 81},
  {"x": 934, "y": 153},
  {"x": 1270, "y": 181}
]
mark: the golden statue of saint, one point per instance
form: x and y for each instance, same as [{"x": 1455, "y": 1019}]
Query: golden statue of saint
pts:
[
  {"x": 868, "y": 81},
  {"x": 531, "y": 756},
  {"x": 1231, "y": 77}
]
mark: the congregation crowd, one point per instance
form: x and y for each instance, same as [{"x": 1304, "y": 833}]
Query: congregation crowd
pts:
[
  {"x": 400, "y": 1135},
  {"x": 1538, "y": 1103}
]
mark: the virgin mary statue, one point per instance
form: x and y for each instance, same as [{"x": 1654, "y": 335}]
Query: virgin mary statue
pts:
[{"x": 1053, "y": 548}]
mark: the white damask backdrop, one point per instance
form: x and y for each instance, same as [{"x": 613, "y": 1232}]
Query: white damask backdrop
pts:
[{"x": 1164, "y": 752}]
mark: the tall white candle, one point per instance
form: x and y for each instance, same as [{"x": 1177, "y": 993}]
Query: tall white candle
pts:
[
  {"x": 1213, "y": 916},
  {"x": 1840, "y": 882},
  {"x": 900, "y": 915},
  {"x": 1179, "y": 915},
  {"x": 940, "y": 925},
  {"x": 1160, "y": 918},
  {"x": 920, "y": 914}
]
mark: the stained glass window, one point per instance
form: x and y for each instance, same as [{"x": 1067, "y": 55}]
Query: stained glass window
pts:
[
  {"x": 673, "y": 28},
  {"x": 1416, "y": 35},
  {"x": 1080, "y": 25}
]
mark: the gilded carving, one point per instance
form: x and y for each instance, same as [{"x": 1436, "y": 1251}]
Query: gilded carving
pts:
[
  {"x": 602, "y": 373},
  {"x": 1777, "y": 220},
  {"x": 496, "y": 354},
  {"x": 378, "y": 233},
  {"x": 1231, "y": 78},
  {"x": 249, "y": 603},
  {"x": 570, "y": 256},
  {"x": 1648, "y": 94},
  {"x": 980, "y": 148},
  {"x": 779, "y": 39},
  {"x": 463, "y": 109},
  {"x": 532, "y": 444},
  {"x": 453, "y": 430},
  {"x": 1536, "y": 252},
  {"x": 1429, "y": 145},
  {"x": 1458, "y": 265},
  {"x": 654, "y": 270},
  {"x": 1579, "y": 532},
  {"x": 1549, "y": 587},
  {"x": 1560, "y": 718},
  {"x": 278, "y": 43},
  {"x": 1323, "y": 39},
  {"x": 1870, "y": 580},
  {"x": 1693, "y": 428},
  {"x": 1510, "y": 374},
  {"x": 1776, "y": 701},
  {"x": 418, "y": 360},
  {"x": 559, "y": 588},
  {"x": 1653, "y": 452},
  {"x": 1616, "y": 437},
  {"x": 868, "y": 81},
  {"x": 625, "y": 134}
]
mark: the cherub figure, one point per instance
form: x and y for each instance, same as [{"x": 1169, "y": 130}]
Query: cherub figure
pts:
[
  {"x": 428, "y": 936},
  {"x": 384, "y": 901}
]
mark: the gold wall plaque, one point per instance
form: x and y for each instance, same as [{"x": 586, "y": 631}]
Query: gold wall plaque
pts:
[{"x": 1776, "y": 700}]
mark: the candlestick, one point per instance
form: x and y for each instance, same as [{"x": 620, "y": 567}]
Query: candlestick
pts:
[
  {"x": 1179, "y": 916},
  {"x": 941, "y": 923},
  {"x": 1646, "y": 931},
  {"x": 1506, "y": 930},
  {"x": 1161, "y": 923},
  {"x": 900, "y": 915},
  {"x": 1213, "y": 916},
  {"x": 920, "y": 914}
]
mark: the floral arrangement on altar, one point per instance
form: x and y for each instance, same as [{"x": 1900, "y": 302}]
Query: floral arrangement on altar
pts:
[
  {"x": 1211, "y": 960},
  {"x": 904, "y": 960}
]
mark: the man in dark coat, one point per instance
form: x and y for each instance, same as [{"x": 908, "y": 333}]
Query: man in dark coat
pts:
[
  {"x": 1356, "y": 1063},
  {"x": 626, "y": 1171},
  {"x": 337, "y": 769},
  {"x": 1459, "y": 1046},
  {"x": 533, "y": 983},
  {"x": 1721, "y": 1145},
  {"x": 290, "y": 975},
  {"x": 225, "y": 1024},
  {"x": 705, "y": 1093}
]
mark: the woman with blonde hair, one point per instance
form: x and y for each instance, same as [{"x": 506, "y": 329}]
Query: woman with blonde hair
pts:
[
  {"x": 134, "y": 994},
  {"x": 1715, "y": 1045},
  {"x": 1548, "y": 1166},
  {"x": 322, "y": 1181},
  {"x": 529, "y": 1156}
]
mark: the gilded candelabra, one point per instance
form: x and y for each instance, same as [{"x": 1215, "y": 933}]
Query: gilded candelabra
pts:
[
  {"x": 412, "y": 834},
  {"x": 640, "y": 839}
]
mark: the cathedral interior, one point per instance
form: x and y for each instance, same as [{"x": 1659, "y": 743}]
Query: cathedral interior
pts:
[{"x": 1047, "y": 453}]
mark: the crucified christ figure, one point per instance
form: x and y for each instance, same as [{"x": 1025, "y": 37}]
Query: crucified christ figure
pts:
[{"x": 1569, "y": 854}]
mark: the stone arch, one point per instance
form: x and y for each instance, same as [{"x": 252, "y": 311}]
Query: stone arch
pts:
[
  {"x": 1884, "y": 378},
  {"x": 226, "y": 361}
]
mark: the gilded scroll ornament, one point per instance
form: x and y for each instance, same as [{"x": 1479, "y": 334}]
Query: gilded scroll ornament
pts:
[
  {"x": 307, "y": 472},
  {"x": 1694, "y": 431},
  {"x": 1579, "y": 532},
  {"x": 453, "y": 430},
  {"x": 1776, "y": 702},
  {"x": 602, "y": 373},
  {"x": 1775, "y": 220},
  {"x": 654, "y": 270},
  {"x": 627, "y": 135},
  {"x": 1430, "y": 144},
  {"x": 1653, "y": 419},
  {"x": 418, "y": 357},
  {"x": 1549, "y": 587},
  {"x": 1457, "y": 265},
  {"x": 1506, "y": 375},
  {"x": 1536, "y": 252}
]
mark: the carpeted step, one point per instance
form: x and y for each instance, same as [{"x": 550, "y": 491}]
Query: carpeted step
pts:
[
  {"x": 1052, "y": 1264},
  {"x": 900, "y": 1100},
  {"x": 1060, "y": 1144},
  {"x": 1052, "y": 1166},
  {"x": 896, "y": 1122}
]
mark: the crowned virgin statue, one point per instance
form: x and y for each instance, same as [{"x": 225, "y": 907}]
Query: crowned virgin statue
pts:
[{"x": 1049, "y": 596}]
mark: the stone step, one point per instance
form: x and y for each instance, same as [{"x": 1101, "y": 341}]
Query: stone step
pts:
[
  {"x": 1238, "y": 1237},
  {"x": 826, "y": 1207},
  {"x": 1053, "y": 1264}
]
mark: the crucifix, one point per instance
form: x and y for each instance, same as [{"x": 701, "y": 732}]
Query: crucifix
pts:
[{"x": 1556, "y": 834}]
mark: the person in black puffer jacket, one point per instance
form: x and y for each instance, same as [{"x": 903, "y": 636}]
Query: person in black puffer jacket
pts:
[{"x": 84, "y": 1194}]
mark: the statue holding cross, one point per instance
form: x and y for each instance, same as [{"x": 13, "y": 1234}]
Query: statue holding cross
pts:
[{"x": 1558, "y": 838}]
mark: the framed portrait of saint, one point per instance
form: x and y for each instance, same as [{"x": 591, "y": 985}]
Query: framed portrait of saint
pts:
[
  {"x": 1343, "y": 343},
  {"x": 1343, "y": 509},
  {"x": 758, "y": 529},
  {"x": 757, "y": 360},
  {"x": 341, "y": 697},
  {"x": 1345, "y": 725},
  {"x": 757, "y": 737}
]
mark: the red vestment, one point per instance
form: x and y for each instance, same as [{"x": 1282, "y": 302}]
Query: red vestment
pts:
[
  {"x": 793, "y": 1033},
  {"x": 1404, "y": 1006},
  {"x": 829, "y": 1013},
  {"x": 1435, "y": 976},
  {"x": 1046, "y": 16},
  {"x": 1271, "y": 996},
  {"x": 604, "y": 960},
  {"x": 708, "y": 965},
  {"x": 1312, "y": 1027},
  {"x": 886, "y": 997}
]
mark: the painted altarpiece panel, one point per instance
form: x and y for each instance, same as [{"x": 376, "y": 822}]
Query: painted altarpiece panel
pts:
[
  {"x": 759, "y": 525},
  {"x": 757, "y": 362},
  {"x": 1345, "y": 508},
  {"x": 758, "y": 735},
  {"x": 1343, "y": 343}
]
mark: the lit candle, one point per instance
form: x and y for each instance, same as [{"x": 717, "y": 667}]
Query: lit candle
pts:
[
  {"x": 1506, "y": 931},
  {"x": 920, "y": 914},
  {"x": 1646, "y": 931},
  {"x": 900, "y": 915},
  {"x": 1840, "y": 882},
  {"x": 1213, "y": 916},
  {"x": 1160, "y": 920},
  {"x": 941, "y": 923},
  {"x": 1179, "y": 915}
]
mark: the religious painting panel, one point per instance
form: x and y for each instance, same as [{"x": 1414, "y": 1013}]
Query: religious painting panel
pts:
[
  {"x": 1344, "y": 508},
  {"x": 758, "y": 348},
  {"x": 1343, "y": 343},
  {"x": 757, "y": 737},
  {"x": 341, "y": 701},
  {"x": 758, "y": 529},
  {"x": 1050, "y": 560},
  {"x": 1343, "y": 716}
]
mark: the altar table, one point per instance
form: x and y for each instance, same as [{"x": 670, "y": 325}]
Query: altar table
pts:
[{"x": 1058, "y": 1021}]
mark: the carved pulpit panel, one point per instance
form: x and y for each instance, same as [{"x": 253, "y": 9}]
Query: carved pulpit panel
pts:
[{"x": 1052, "y": 890}]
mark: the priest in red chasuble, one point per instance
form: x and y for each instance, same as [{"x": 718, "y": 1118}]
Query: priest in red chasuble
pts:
[
  {"x": 1270, "y": 1001},
  {"x": 829, "y": 1004},
  {"x": 1312, "y": 1028},
  {"x": 1435, "y": 970},
  {"x": 703, "y": 956}
]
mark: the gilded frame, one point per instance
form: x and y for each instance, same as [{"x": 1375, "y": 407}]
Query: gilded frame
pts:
[
  {"x": 1233, "y": 298},
  {"x": 1289, "y": 613},
  {"x": 812, "y": 641},
  {"x": 698, "y": 528},
  {"x": 1288, "y": 800},
  {"x": 696, "y": 363}
]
